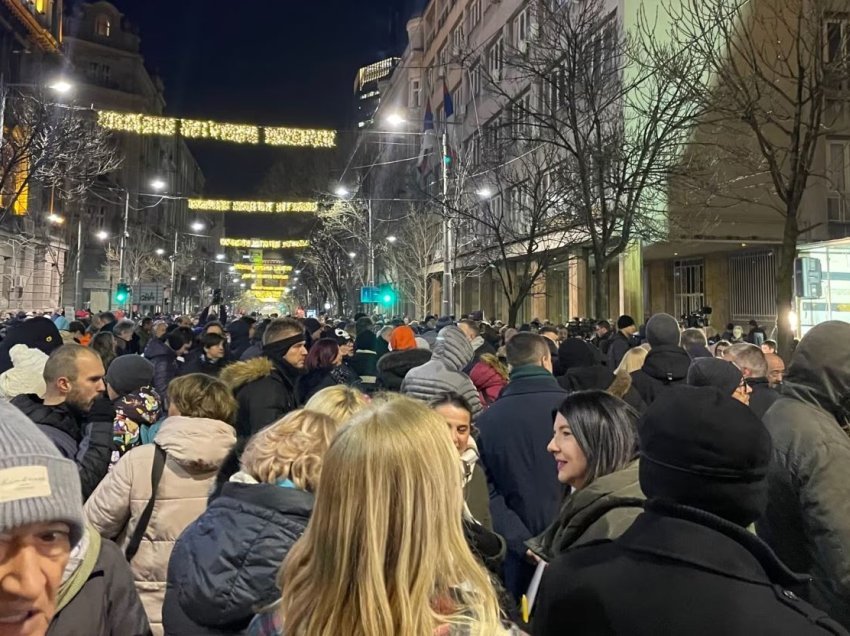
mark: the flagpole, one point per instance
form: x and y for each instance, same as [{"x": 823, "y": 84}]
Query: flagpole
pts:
[{"x": 448, "y": 257}]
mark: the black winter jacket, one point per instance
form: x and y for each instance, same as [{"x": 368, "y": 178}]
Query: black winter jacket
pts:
[
  {"x": 265, "y": 391},
  {"x": 676, "y": 570},
  {"x": 89, "y": 445},
  {"x": 224, "y": 566},
  {"x": 164, "y": 360},
  {"x": 393, "y": 366},
  {"x": 762, "y": 397},
  {"x": 197, "y": 362},
  {"x": 107, "y": 604},
  {"x": 314, "y": 381},
  {"x": 665, "y": 366}
]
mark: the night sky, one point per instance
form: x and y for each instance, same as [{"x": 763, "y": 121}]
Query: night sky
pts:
[{"x": 279, "y": 62}]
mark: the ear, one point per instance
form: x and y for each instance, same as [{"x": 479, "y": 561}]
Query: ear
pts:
[{"x": 64, "y": 385}]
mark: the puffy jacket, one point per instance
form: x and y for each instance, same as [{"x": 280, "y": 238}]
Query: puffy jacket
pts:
[
  {"x": 164, "y": 360},
  {"x": 443, "y": 372},
  {"x": 89, "y": 445},
  {"x": 225, "y": 564},
  {"x": 195, "y": 449},
  {"x": 98, "y": 596},
  {"x": 665, "y": 366},
  {"x": 265, "y": 391},
  {"x": 26, "y": 374},
  {"x": 139, "y": 408},
  {"x": 807, "y": 521},
  {"x": 602, "y": 511},
  {"x": 394, "y": 366},
  {"x": 314, "y": 381}
]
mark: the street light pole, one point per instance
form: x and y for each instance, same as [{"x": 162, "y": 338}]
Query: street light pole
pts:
[
  {"x": 173, "y": 271},
  {"x": 77, "y": 298},
  {"x": 122, "y": 246},
  {"x": 371, "y": 248},
  {"x": 448, "y": 257}
]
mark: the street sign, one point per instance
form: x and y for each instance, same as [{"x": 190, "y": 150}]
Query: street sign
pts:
[{"x": 369, "y": 295}]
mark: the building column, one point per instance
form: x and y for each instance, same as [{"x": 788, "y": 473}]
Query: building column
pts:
[
  {"x": 631, "y": 282},
  {"x": 578, "y": 286}
]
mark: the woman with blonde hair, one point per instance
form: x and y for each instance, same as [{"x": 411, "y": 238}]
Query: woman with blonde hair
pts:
[
  {"x": 189, "y": 448},
  {"x": 224, "y": 565},
  {"x": 339, "y": 402},
  {"x": 621, "y": 387},
  {"x": 384, "y": 552}
]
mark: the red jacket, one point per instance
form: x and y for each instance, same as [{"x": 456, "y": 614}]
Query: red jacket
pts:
[{"x": 488, "y": 382}]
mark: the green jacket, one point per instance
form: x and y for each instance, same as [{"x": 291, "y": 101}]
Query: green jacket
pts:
[{"x": 603, "y": 510}]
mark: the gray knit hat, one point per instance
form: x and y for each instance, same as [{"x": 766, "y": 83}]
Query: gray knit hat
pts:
[
  {"x": 37, "y": 485},
  {"x": 663, "y": 329},
  {"x": 129, "y": 373}
]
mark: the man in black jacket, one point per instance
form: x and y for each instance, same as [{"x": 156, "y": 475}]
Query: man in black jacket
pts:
[
  {"x": 753, "y": 365},
  {"x": 622, "y": 341},
  {"x": 265, "y": 387},
  {"x": 688, "y": 564},
  {"x": 75, "y": 414},
  {"x": 667, "y": 363}
]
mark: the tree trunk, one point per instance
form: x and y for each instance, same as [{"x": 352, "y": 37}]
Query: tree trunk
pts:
[
  {"x": 513, "y": 311},
  {"x": 600, "y": 292},
  {"x": 785, "y": 285}
]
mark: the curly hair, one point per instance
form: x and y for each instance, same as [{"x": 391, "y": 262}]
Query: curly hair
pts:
[{"x": 200, "y": 395}]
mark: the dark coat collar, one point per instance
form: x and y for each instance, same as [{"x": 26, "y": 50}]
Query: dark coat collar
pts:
[
  {"x": 708, "y": 542},
  {"x": 288, "y": 501}
]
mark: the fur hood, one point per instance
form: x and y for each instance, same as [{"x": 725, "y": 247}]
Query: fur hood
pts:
[{"x": 239, "y": 374}]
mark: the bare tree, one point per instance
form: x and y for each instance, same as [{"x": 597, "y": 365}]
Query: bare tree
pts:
[
  {"x": 775, "y": 70},
  {"x": 141, "y": 263},
  {"x": 576, "y": 84},
  {"x": 414, "y": 251},
  {"x": 329, "y": 265}
]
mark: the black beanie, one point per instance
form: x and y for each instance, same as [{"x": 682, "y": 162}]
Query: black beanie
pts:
[
  {"x": 574, "y": 353},
  {"x": 704, "y": 449},
  {"x": 721, "y": 374},
  {"x": 625, "y": 321}
]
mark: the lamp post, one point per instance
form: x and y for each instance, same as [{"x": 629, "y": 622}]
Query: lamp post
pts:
[{"x": 60, "y": 86}]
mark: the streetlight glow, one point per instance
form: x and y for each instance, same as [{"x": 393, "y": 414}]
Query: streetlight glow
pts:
[
  {"x": 198, "y": 226},
  {"x": 395, "y": 120},
  {"x": 102, "y": 235},
  {"x": 341, "y": 191},
  {"x": 55, "y": 219},
  {"x": 219, "y": 257},
  {"x": 158, "y": 185},
  {"x": 61, "y": 86},
  {"x": 352, "y": 255},
  {"x": 484, "y": 193},
  {"x": 392, "y": 239},
  {"x": 160, "y": 251}
]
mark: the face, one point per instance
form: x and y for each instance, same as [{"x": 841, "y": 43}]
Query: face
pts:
[
  {"x": 572, "y": 463},
  {"x": 216, "y": 352},
  {"x": 737, "y": 332},
  {"x": 718, "y": 351},
  {"x": 467, "y": 331},
  {"x": 159, "y": 330},
  {"x": 126, "y": 336},
  {"x": 767, "y": 348},
  {"x": 147, "y": 326},
  {"x": 347, "y": 349},
  {"x": 775, "y": 369},
  {"x": 459, "y": 424},
  {"x": 83, "y": 391},
  {"x": 601, "y": 332},
  {"x": 296, "y": 355},
  {"x": 742, "y": 393},
  {"x": 32, "y": 560}
]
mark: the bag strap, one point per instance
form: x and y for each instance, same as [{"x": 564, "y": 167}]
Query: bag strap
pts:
[{"x": 144, "y": 520}]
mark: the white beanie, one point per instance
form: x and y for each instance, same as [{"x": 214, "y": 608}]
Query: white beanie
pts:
[{"x": 27, "y": 373}]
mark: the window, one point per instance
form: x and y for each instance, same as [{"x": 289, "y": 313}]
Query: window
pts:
[
  {"x": 493, "y": 132},
  {"x": 415, "y": 99},
  {"x": 496, "y": 210},
  {"x": 444, "y": 13},
  {"x": 102, "y": 26},
  {"x": 457, "y": 39},
  {"x": 473, "y": 14},
  {"x": 838, "y": 178},
  {"x": 520, "y": 110},
  {"x": 495, "y": 58},
  {"x": 474, "y": 80},
  {"x": 443, "y": 55},
  {"x": 522, "y": 30},
  {"x": 688, "y": 286},
  {"x": 837, "y": 51}
]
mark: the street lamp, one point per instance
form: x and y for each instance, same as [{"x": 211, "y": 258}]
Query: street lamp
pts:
[
  {"x": 198, "y": 226},
  {"x": 158, "y": 185},
  {"x": 392, "y": 239},
  {"x": 61, "y": 86},
  {"x": 352, "y": 255},
  {"x": 219, "y": 257},
  {"x": 484, "y": 193},
  {"x": 102, "y": 235},
  {"x": 342, "y": 191},
  {"x": 395, "y": 120},
  {"x": 55, "y": 219},
  {"x": 160, "y": 251}
]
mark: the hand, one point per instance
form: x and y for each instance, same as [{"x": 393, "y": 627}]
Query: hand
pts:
[{"x": 102, "y": 410}]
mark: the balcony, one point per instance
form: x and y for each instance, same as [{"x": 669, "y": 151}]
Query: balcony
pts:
[{"x": 37, "y": 16}]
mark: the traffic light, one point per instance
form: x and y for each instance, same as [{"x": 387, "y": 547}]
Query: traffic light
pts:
[
  {"x": 122, "y": 293},
  {"x": 387, "y": 295}
]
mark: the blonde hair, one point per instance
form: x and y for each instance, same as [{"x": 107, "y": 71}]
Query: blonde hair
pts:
[
  {"x": 339, "y": 402},
  {"x": 384, "y": 552},
  {"x": 631, "y": 362},
  {"x": 494, "y": 363},
  {"x": 200, "y": 395},
  {"x": 292, "y": 448}
]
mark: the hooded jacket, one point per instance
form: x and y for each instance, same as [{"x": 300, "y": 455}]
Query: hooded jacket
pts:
[
  {"x": 601, "y": 511},
  {"x": 98, "y": 596},
  {"x": 239, "y": 331},
  {"x": 264, "y": 389},
  {"x": 142, "y": 407},
  {"x": 394, "y": 366},
  {"x": 89, "y": 445},
  {"x": 488, "y": 381},
  {"x": 195, "y": 449},
  {"x": 443, "y": 372},
  {"x": 665, "y": 366},
  {"x": 807, "y": 521},
  {"x": 164, "y": 360},
  {"x": 225, "y": 564}
]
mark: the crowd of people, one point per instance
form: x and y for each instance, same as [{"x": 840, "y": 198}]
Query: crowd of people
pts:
[{"x": 264, "y": 476}]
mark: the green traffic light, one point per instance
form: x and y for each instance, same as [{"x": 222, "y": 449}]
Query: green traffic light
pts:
[{"x": 387, "y": 299}]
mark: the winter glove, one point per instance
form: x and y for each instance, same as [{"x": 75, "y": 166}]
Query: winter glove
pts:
[{"x": 102, "y": 411}]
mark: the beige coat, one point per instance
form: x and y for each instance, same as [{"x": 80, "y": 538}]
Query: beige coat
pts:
[{"x": 195, "y": 449}]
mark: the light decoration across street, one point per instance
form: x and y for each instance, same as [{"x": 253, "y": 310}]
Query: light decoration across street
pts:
[
  {"x": 266, "y": 288},
  {"x": 263, "y": 243},
  {"x": 277, "y": 269},
  {"x": 220, "y": 205},
  {"x": 141, "y": 124},
  {"x": 262, "y": 276}
]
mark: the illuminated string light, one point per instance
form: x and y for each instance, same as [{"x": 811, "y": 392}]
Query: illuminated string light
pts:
[
  {"x": 141, "y": 124},
  {"x": 263, "y": 243},
  {"x": 219, "y": 205},
  {"x": 279, "y": 269},
  {"x": 263, "y": 276},
  {"x": 266, "y": 288}
]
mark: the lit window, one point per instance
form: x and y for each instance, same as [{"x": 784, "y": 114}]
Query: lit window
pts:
[{"x": 102, "y": 26}]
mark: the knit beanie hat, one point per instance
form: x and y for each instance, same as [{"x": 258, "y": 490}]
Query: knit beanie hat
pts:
[
  {"x": 704, "y": 449},
  {"x": 365, "y": 340},
  {"x": 574, "y": 353},
  {"x": 721, "y": 374},
  {"x": 311, "y": 325},
  {"x": 663, "y": 329},
  {"x": 402, "y": 338},
  {"x": 129, "y": 373},
  {"x": 625, "y": 321},
  {"x": 364, "y": 323},
  {"x": 37, "y": 485}
]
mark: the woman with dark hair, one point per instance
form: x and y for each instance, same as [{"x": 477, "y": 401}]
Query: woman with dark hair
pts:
[
  {"x": 210, "y": 358},
  {"x": 324, "y": 368},
  {"x": 595, "y": 445},
  {"x": 104, "y": 345}
]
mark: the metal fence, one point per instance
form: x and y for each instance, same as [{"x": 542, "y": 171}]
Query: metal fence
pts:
[
  {"x": 688, "y": 285},
  {"x": 752, "y": 286}
]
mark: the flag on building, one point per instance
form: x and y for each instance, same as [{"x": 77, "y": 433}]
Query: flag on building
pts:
[
  {"x": 448, "y": 104},
  {"x": 429, "y": 138},
  {"x": 451, "y": 136}
]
